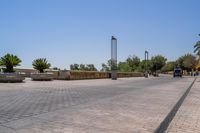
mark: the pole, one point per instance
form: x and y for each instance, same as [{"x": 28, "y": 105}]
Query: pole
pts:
[
  {"x": 146, "y": 59},
  {"x": 113, "y": 58}
]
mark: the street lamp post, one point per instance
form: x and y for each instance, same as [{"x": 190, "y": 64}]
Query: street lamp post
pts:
[
  {"x": 113, "y": 58},
  {"x": 146, "y": 56}
]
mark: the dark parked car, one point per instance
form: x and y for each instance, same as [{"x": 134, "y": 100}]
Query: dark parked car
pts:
[{"x": 178, "y": 72}]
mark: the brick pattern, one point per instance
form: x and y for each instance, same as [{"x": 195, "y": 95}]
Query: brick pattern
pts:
[
  {"x": 135, "y": 105},
  {"x": 187, "y": 119}
]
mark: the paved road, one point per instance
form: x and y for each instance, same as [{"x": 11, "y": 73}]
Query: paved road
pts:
[{"x": 88, "y": 106}]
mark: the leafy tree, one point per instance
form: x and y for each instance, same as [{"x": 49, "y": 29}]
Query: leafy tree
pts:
[
  {"x": 169, "y": 66},
  {"x": 82, "y": 67},
  {"x": 179, "y": 62},
  {"x": 74, "y": 67},
  {"x": 144, "y": 65},
  {"x": 190, "y": 62},
  {"x": 109, "y": 63},
  {"x": 187, "y": 62},
  {"x": 157, "y": 62},
  {"x": 133, "y": 62},
  {"x": 124, "y": 67},
  {"x": 91, "y": 67},
  {"x": 56, "y": 68},
  {"x": 9, "y": 61},
  {"x": 41, "y": 64},
  {"x": 105, "y": 67}
]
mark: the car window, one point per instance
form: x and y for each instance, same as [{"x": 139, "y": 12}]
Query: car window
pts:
[{"x": 177, "y": 71}]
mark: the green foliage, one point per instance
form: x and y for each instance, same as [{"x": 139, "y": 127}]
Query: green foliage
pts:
[
  {"x": 157, "y": 62},
  {"x": 124, "y": 67},
  {"x": 74, "y": 67},
  {"x": 56, "y": 68},
  {"x": 197, "y": 48},
  {"x": 82, "y": 67},
  {"x": 186, "y": 62},
  {"x": 90, "y": 67},
  {"x": 105, "y": 68},
  {"x": 41, "y": 64},
  {"x": 169, "y": 66},
  {"x": 9, "y": 61},
  {"x": 144, "y": 66},
  {"x": 133, "y": 62}
]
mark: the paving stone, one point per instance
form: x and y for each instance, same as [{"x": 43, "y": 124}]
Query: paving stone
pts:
[
  {"x": 187, "y": 119},
  {"x": 129, "y": 105}
]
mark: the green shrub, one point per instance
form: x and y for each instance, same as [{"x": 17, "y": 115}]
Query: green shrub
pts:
[
  {"x": 9, "y": 61},
  {"x": 41, "y": 64}
]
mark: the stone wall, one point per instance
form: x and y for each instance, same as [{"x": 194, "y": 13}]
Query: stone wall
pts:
[
  {"x": 78, "y": 75},
  {"x": 129, "y": 74}
]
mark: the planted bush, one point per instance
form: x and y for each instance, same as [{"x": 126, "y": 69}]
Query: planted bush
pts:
[
  {"x": 9, "y": 61},
  {"x": 41, "y": 64}
]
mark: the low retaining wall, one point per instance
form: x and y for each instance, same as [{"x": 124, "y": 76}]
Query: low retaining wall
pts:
[
  {"x": 78, "y": 75},
  {"x": 129, "y": 74},
  {"x": 42, "y": 76},
  {"x": 11, "y": 77}
]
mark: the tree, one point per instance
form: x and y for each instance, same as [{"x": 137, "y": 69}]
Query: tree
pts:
[
  {"x": 91, "y": 67},
  {"x": 41, "y": 64},
  {"x": 187, "y": 62},
  {"x": 56, "y": 68},
  {"x": 74, "y": 67},
  {"x": 144, "y": 65},
  {"x": 105, "y": 67},
  {"x": 133, "y": 62},
  {"x": 197, "y": 47},
  {"x": 9, "y": 61},
  {"x": 157, "y": 62},
  {"x": 169, "y": 66},
  {"x": 124, "y": 67},
  {"x": 82, "y": 67},
  {"x": 179, "y": 62},
  {"x": 190, "y": 62}
]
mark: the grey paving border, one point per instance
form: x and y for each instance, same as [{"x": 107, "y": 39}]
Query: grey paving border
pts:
[{"x": 165, "y": 123}]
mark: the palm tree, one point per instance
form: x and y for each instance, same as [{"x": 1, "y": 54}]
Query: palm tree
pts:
[
  {"x": 41, "y": 64},
  {"x": 197, "y": 48},
  {"x": 9, "y": 61}
]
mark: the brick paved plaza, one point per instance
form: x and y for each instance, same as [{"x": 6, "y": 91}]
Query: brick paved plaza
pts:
[
  {"x": 128, "y": 105},
  {"x": 187, "y": 119}
]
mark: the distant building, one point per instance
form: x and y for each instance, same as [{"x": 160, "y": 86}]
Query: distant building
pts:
[{"x": 26, "y": 71}]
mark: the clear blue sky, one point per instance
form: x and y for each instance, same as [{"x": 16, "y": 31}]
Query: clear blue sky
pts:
[{"x": 79, "y": 31}]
